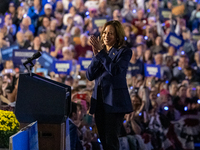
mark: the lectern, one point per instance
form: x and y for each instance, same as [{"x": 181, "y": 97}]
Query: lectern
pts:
[{"x": 48, "y": 102}]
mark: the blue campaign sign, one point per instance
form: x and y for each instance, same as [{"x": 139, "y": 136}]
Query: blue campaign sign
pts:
[
  {"x": 62, "y": 66},
  {"x": 99, "y": 22},
  {"x": 152, "y": 70},
  {"x": 46, "y": 61},
  {"x": 21, "y": 55},
  {"x": 7, "y": 53},
  {"x": 20, "y": 141},
  {"x": 174, "y": 40},
  {"x": 164, "y": 14},
  {"x": 84, "y": 62},
  {"x": 26, "y": 139},
  {"x": 33, "y": 136},
  {"x": 1, "y": 21}
]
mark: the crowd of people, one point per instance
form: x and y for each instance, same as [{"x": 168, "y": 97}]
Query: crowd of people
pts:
[{"x": 165, "y": 110}]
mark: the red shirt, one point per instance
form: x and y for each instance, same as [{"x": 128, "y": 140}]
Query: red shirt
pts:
[
  {"x": 81, "y": 51},
  {"x": 136, "y": 22}
]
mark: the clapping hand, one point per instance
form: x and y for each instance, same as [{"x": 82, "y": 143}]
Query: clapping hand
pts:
[{"x": 96, "y": 44}]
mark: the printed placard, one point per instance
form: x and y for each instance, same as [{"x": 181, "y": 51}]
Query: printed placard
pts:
[
  {"x": 164, "y": 14},
  {"x": 46, "y": 61},
  {"x": 196, "y": 36},
  {"x": 21, "y": 55},
  {"x": 152, "y": 70},
  {"x": 99, "y": 22},
  {"x": 84, "y": 63},
  {"x": 174, "y": 40},
  {"x": 7, "y": 53},
  {"x": 62, "y": 67}
]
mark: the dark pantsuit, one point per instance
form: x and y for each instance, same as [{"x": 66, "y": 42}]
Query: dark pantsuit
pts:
[{"x": 108, "y": 124}]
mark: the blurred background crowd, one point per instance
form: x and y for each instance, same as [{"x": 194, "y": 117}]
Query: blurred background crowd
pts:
[{"x": 166, "y": 109}]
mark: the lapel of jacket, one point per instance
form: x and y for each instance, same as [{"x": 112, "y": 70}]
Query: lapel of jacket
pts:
[{"x": 113, "y": 53}]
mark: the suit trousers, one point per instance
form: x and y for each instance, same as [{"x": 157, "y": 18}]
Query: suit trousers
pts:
[{"x": 108, "y": 124}]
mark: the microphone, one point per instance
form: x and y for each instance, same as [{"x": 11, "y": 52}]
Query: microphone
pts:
[{"x": 35, "y": 56}]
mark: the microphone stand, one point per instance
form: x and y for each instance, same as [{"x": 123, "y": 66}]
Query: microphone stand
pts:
[{"x": 29, "y": 67}]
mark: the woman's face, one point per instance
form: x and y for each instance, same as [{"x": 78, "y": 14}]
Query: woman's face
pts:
[
  {"x": 36, "y": 2},
  {"x": 127, "y": 31},
  {"x": 46, "y": 22},
  {"x": 109, "y": 36},
  {"x": 158, "y": 41},
  {"x": 135, "y": 102},
  {"x": 37, "y": 41},
  {"x": 147, "y": 54}
]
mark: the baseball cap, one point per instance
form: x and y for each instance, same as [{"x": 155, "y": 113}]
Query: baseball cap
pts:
[{"x": 47, "y": 6}]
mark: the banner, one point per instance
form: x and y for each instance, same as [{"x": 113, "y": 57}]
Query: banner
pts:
[
  {"x": 164, "y": 14},
  {"x": 25, "y": 139},
  {"x": 174, "y": 40},
  {"x": 99, "y": 22},
  {"x": 20, "y": 55},
  {"x": 7, "y": 53},
  {"x": 46, "y": 61},
  {"x": 178, "y": 10},
  {"x": 62, "y": 67},
  {"x": 152, "y": 70},
  {"x": 84, "y": 63}
]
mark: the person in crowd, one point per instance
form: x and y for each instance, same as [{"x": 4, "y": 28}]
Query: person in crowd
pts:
[
  {"x": 158, "y": 47},
  {"x": 189, "y": 45},
  {"x": 130, "y": 36},
  {"x": 148, "y": 57},
  {"x": 22, "y": 42},
  {"x": 112, "y": 63},
  {"x": 28, "y": 35},
  {"x": 135, "y": 65},
  {"x": 45, "y": 45},
  {"x": 35, "y": 12},
  {"x": 196, "y": 64},
  {"x": 11, "y": 28},
  {"x": 37, "y": 44},
  {"x": 182, "y": 64},
  {"x": 68, "y": 41},
  {"x": 117, "y": 16},
  {"x": 48, "y": 12},
  {"x": 45, "y": 24},
  {"x": 60, "y": 8},
  {"x": 140, "y": 48},
  {"x": 190, "y": 75},
  {"x": 26, "y": 25},
  {"x": 81, "y": 49},
  {"x": 12, "y": 11},
  {"x": 140, "y": 21},
  {"x": 78, "y": 20},
  {"x": 76, "y": 143},
  {"x": 6, "y": 36},
  {"x": 165, "y": 70},
  {"x": 57, "y": 50},
  {"x": 104, "y": 10}
]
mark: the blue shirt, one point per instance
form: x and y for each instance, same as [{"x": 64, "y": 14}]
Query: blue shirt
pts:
[{"x": 137, "y": 68}]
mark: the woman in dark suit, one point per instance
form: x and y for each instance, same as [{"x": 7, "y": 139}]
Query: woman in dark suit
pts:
[{"x": 110, "y": 99}]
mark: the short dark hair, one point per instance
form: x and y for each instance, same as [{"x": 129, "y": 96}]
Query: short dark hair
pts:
[{"x": 120, "y": 34}]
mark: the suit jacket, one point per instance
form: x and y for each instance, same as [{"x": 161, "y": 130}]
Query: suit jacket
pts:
[{"x": 109, "y": 71}]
